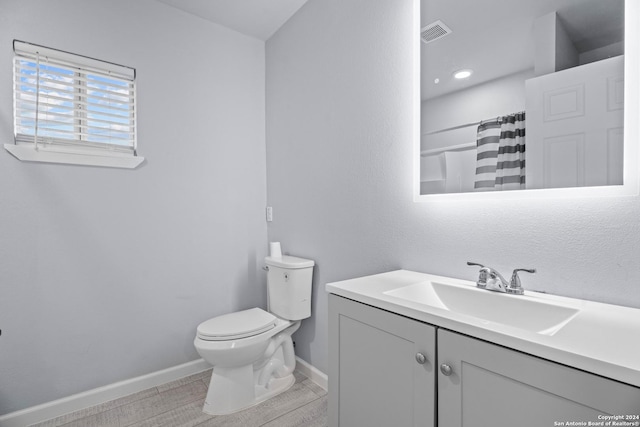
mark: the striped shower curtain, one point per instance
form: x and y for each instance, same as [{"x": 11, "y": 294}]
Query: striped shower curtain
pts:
[
  {"x": 487, "y": 144},
  {"x": 501, "y": 154},
  {"x": 510, "y": 168}
]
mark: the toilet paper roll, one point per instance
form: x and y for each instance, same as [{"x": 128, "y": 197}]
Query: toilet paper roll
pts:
[{"x": 275, "y": 250}]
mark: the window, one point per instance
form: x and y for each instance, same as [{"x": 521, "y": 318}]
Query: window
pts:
[{"x": 73, "y": 109}]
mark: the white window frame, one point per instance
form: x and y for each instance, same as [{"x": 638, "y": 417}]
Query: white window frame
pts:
[{"x": 98, "y": 141}]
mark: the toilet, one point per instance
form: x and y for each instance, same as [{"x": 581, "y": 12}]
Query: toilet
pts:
[{"x": 251, "y": 350}]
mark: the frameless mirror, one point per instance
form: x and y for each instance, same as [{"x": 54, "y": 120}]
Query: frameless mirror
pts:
[{"x": 538, "y": 103}]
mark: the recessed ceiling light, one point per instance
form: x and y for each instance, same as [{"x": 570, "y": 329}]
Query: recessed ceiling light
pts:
[
  {"x": 462, "y": 74},
  {"x": 436, "y": 81}
]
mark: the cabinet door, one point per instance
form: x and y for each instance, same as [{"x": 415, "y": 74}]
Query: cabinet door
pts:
[
  {"x": 375, "y": 378},
  {"x": 494, "y": 386}
]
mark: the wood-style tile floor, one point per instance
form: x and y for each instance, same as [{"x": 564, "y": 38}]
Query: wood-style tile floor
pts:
[{"x": 179, "y": 403}]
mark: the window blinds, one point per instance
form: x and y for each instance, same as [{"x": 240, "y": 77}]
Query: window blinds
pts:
[{"x": 62, "y": 99}]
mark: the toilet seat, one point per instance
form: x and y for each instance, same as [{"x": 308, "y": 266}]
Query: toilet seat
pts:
[{"x": 241, "y": 324}]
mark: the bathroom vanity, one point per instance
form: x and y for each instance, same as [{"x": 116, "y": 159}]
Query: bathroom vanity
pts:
[{"x": 413, "y": 349}]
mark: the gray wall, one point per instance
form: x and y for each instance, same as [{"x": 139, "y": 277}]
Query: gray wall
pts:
[
  {"x": 105, "y": 273},
  {"x": 339, "y": 174}
]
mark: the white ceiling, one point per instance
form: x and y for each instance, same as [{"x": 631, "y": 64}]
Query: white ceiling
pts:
[
  {"x": 483, "y": 30},
  {"x": 255, "y": 18},
  {"x": 495, "y": 37}
]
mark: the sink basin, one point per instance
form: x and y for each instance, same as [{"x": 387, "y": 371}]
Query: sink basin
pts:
[{"x": 517, "y": 311}]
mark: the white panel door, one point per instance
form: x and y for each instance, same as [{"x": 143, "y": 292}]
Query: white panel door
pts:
[{"x": 574, "y": 126}]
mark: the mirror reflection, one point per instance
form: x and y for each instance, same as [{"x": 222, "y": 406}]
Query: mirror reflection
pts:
[{"x": 521, "y": 94}]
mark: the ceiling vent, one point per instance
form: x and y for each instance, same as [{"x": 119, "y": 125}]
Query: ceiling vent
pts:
[{"x": 434, "y": 31}]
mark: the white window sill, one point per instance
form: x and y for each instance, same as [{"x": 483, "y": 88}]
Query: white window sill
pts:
[{"x": 27, "y": 153}]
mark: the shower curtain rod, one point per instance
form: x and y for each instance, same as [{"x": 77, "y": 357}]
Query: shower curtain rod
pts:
[
  {"x": 466, "y": 125},
  {"x": 459, "y": 147}
]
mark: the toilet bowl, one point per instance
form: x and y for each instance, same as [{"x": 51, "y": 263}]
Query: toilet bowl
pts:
[
  {"x": 249, "y": 366},
  {"x": 251, "y": 350}
]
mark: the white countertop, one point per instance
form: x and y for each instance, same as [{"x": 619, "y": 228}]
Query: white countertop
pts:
[{"x": 603, "y": 339}]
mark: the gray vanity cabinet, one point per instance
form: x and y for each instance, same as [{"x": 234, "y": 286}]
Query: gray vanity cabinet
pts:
[
  {"x": 382, "y": 367},
  {"x": 375, "y": 378},
  {"x": 489, "y": 385}
]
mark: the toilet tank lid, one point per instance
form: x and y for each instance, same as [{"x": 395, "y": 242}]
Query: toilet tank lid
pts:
[{"x": 287, "y": 261}]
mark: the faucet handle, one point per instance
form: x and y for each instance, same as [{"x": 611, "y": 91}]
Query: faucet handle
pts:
[
  {"x": 482, "y": 277},
  {"x": 515, "y": 287},
  {"x": 475, "y": 263}
]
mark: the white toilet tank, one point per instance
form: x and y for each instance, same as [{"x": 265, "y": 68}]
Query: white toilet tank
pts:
[{"x": 289, "y": 286}]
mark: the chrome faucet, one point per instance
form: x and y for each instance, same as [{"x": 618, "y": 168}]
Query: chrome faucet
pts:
[{"x": 491, "y": 280}]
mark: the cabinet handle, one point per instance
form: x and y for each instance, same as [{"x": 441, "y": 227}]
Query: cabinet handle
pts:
[
  {"x": 421, "y": 358},
  {"x": 446, "y": 369}
]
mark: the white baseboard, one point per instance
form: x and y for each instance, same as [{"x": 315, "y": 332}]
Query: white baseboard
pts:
[
  {"x": 313, "y": 373},
  {"x": 100, "y": 395}
]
